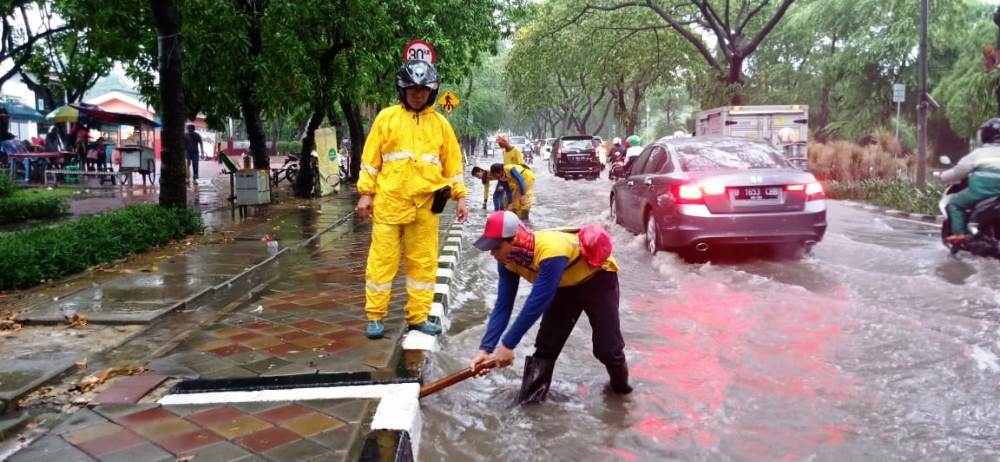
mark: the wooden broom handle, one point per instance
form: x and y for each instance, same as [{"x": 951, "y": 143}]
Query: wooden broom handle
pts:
[{"x": 459, "y": 376}]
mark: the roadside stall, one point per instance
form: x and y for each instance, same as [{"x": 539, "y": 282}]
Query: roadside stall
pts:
[{"x": 135, "y": 138}]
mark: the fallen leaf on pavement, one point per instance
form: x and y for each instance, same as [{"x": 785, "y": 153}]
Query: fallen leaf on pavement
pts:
[{"x": 78, "y": 320}]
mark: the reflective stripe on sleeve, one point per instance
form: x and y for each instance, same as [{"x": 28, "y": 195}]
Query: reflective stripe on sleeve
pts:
[{"x": 371, "y": 170}]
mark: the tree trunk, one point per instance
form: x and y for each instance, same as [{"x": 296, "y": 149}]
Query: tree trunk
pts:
[
  {"x": 354, "y": 124},
  {"x": 734, "y": 81},
  {"x": 304, "y": 181},
  {"x": 251, "y": 113},
  {"x": 824, "y": 115},
  {"x": 255, "y": 130},
  {"x": 173, "y": 192}
]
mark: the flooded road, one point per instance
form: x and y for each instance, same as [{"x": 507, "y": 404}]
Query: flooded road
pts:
[{"x": 877, "y": 346}]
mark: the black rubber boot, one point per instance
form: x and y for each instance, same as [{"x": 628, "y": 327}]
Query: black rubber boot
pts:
[
  {"x": 536, "y": 380},
  {"x": 619, "y": 379}
]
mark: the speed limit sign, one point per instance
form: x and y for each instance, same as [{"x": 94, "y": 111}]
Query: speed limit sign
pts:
[{"x": 419, "y": 50}]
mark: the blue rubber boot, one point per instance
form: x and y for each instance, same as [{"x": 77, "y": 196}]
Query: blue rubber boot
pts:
[
  {"x": 375, "y": 329},
  {"x": 427, "y": 327}
]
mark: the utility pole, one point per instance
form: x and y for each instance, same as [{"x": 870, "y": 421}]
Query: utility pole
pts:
[{"x": 922, "y": 102}]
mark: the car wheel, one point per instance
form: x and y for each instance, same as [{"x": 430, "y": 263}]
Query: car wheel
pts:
[{"x": 652, "y": 235}]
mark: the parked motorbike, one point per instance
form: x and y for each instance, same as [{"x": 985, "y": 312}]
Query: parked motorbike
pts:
[{"x": 982, "y": 227}]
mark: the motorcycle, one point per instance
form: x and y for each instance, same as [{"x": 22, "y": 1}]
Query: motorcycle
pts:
[
  {"x": 982, "y": 227},
  {"x": 617, "y": 165}
]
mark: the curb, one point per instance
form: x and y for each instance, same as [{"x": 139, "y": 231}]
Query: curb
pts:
[{"x": 930, "y": 219}]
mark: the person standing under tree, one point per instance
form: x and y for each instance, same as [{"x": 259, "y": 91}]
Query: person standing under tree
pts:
[{"x": 192, "y": 144}]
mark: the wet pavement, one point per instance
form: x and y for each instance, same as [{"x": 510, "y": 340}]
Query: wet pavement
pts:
[
  {"x": 304, "y": 317},
  {"x": 306, "y": 430},
  {"x": 877, "y": 346}
]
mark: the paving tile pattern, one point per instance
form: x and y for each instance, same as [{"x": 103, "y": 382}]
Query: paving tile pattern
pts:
[
  {"x": 311, "y": 320},
  {"x": 278, "y": 431}
]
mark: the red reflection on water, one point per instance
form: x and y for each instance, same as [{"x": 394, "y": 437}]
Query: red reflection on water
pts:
[
  {"x": 717, "y": 342},
  {"x": 621, "y": 453}
]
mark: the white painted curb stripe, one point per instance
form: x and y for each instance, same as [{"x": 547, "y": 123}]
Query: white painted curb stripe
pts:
[
  {"x": 437, "y": 309},
  {"x": 415, "y": 340},
  {"x": 398, "y": 407},
  {"x": 448, "y": 259},
  {"x": 444, "y": 289},
  {"x": 445, "y": 273},
  {"x": 454, "y": 239},
  {"x": 450, "y": 248}
]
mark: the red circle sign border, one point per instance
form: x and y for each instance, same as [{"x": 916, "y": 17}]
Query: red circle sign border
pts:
[{"x": 406, "y": 49}]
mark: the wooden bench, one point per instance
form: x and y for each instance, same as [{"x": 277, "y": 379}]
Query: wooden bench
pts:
[{"x": 114, "y": 176}]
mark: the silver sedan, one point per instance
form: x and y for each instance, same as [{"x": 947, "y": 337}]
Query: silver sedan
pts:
[{"x": 694, "y": 193}]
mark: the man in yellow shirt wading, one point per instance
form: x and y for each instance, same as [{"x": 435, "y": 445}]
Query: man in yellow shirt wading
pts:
[{"x": 410, "y": 158}]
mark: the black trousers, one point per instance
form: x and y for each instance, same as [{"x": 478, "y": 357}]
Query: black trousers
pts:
[{"x": 598, "y": 297}]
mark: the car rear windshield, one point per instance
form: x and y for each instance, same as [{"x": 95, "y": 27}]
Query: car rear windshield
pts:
[
  {"x": 578, "y": 144},
  {"x": 518, "y": 140},
  {"x": 697, "y": 157}
]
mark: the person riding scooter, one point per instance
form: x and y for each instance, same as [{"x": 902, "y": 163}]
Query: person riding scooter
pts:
[
  {"x": 616, "y": 156},
  {"x": 982, "y": 168}
]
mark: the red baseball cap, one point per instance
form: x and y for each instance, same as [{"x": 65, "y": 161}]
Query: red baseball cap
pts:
[{"x": 499, "y": 226}]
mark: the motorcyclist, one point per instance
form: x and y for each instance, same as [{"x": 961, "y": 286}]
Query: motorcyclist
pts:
[
  {"x": 982, "y": 168},
  {"x": 633, "y": 151}
]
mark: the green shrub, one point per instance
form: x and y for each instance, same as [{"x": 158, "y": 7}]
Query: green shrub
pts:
[
  {"x": 7, "y": 185},
  {"x": 899, "y": 193},
  {"x": 289, "y": 146},
  {"x": 32, "y": 256},
  {"x": 27, "y": 204}
]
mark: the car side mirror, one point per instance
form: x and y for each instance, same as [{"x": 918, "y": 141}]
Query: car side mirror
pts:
[{"x": 944, "y": 160}]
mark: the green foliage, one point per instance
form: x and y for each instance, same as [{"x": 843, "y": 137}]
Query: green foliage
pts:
[
  {"x": 289, "y": 146},
  {"x": 854, "y": 50},
  {"x": 899, "y": 194},
  {"x": 32, "y": 256},
  {"x": 7, "y": 185},
  {"x": 484, "y": 110},
  {"x": 29, "y": 204}
]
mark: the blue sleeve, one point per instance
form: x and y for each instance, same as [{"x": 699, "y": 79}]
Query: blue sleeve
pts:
[
  {"x": 520, "y": 181},
  {"x": 541, "y": 296},
  {"x": 500, "y": 316}
]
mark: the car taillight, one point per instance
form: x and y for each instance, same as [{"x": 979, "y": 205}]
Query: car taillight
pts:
[
  {"x": 688, "y": 193},
  {"x": 813, "y": 191},
  {"x": 695, "y": 193},
  {"x": 559, "y": 152}
]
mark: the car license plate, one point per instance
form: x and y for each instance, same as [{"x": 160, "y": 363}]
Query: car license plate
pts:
[{"x": 758, "y": 193}]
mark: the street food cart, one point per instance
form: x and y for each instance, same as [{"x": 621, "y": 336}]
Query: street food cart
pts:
[{"x": 137, "y": 150}]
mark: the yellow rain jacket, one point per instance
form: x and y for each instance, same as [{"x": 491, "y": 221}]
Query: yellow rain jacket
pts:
[
  {"x": 551, "y": 244},
  {"x": 521, "y": 201},
  {"x": 513, "y": 157},
  {"x": 407, "y": 157}
]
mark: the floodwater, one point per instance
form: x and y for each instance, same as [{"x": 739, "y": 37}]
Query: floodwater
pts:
[{"x": 876, "y": 346}]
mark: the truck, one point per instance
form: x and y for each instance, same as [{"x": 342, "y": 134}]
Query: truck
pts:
[{"x": 784, "y": 126}]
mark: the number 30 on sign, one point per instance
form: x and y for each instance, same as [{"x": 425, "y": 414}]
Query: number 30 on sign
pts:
[{"x": 419, "y": 50}]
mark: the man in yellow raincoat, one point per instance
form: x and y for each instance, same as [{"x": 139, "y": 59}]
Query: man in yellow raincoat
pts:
[
  {"x": 410, "y": 155},
  {"x": 518, "y": 182}
]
